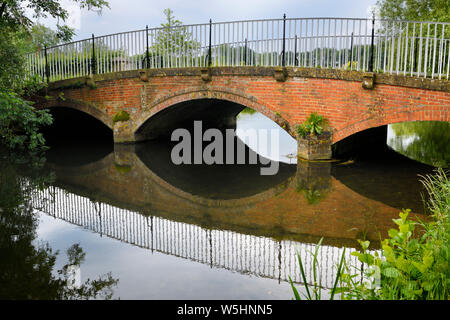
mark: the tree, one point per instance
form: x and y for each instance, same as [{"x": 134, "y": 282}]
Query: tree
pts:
[
  {"x": 13, "y": 12},
  {"x": 173, "y": 41},
  {"x": 20, "y": 33},
  {"x": 415, "y": 10}
]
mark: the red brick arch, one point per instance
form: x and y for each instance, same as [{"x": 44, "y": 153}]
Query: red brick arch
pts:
[
  {"x": 82, "y": 106},
  {"x": 397, "y": 104},
  {"x": 219, "y": 93}
]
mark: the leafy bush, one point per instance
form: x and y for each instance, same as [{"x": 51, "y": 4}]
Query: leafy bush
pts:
[
  {"x": 314, "y": 125},
  {"x": 413, "y": 261},
  {"x": 20, "y": 122}
]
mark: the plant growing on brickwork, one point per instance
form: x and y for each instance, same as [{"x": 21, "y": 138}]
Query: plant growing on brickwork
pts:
[
  {"x": 314, "y": 125},
  {"x": 121, "y": 116}
]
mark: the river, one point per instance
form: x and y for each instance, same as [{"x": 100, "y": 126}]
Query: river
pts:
[{"x": 200, "y": 232}]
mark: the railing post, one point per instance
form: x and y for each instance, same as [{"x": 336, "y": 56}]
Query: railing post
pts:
[
  {"x": 147, "y": 52},
  {"x": 295, "y": 52},
  {"x": 371, "y": 45},
  {"x": 351, "y": 53},
  {"x": 209, "y": 50},
  {"x": 93, "y": 59},
  {"x": 47, "y": 69},
  {"x": 245, "y": 52},
  {"x": 283, "y": 60}
]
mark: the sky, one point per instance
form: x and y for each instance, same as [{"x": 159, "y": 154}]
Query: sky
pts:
[{"x": 128, "y": 15}]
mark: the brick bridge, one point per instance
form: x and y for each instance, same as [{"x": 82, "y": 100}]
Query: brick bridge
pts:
[
  {"x": 359, "y": 73},
  {"x": 160, "y": 100}
]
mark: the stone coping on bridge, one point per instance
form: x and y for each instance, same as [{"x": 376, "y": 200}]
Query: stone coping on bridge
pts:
[{"x": 290, "y": 72}]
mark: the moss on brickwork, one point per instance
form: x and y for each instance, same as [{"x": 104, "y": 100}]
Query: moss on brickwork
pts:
[
  {"x": 122, "y": 169},
  {"x": 121, "y": 116}
]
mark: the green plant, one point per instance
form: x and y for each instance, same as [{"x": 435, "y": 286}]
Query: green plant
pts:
[
  {"x": 302, "y": 131},
  {"x": 316, "y": 289},
  {"x": 314, "y": 125},
  {"x": 20, "y": 122},
  {"x": 122, "y": 169},
  {"x": 413, "y": 261},
  {"x": 121, "y": 116}
]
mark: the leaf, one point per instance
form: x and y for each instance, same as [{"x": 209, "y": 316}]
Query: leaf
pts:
[
  {"x": 391, "y": 273},
  {"x": 338, "y": 275},
  {"x": 392, "y": 233},
  {"x": 427, "y": 261},
  {"x": 303, "y": 275},
  {"x": 296, "y": 294}
]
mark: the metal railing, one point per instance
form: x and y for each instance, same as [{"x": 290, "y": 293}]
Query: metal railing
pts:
[{"x": 414, "y": 48}]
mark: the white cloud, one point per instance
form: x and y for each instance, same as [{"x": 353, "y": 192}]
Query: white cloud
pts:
[{"x": 74, "y": 20}]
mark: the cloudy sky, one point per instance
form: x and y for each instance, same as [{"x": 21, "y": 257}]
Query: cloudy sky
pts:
[{"x": 127, "y": 15}]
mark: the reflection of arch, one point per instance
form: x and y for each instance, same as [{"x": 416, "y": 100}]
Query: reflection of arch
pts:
[
  {"x": 87, "y": 169},
  {"x": 219, "y": 93},
  {"x": 393, "y": 115},
  {"x": 82, "y": 106},
  {"x": 101, "y": 168}
]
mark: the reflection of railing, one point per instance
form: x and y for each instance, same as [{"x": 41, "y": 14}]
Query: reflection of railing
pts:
[
  {"x": 399, "y": 47},
  {"x": 248, "y": 254}
]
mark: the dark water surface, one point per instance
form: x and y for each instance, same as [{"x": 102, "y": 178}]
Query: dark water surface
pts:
[{"x": 191, "y": 232}]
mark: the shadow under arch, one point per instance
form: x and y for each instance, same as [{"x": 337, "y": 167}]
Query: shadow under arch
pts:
[
  {"x": 82, "y": 107},
  {"x": 391, "y": 116},
  {"x": 216, "y": 108},
  {"x": 76, "y": 137}
]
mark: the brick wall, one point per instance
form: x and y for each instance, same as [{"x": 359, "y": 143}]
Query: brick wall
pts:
[{"x": 348, "y": 107}]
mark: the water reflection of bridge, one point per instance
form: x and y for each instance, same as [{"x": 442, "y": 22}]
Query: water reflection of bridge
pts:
[{"x": 246, "y": 254}]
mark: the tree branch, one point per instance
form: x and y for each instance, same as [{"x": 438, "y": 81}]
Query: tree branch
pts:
[{"x": 2, "y": 8}]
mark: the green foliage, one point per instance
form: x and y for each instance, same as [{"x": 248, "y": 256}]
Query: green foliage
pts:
[
  {"x": 122, "y": 169},
  {"x": 415, "y": 10},
  {"x": 248, "y": 111},
  {"x": 12, "y": 60},
  {"x": 121, "y": 116},
  {"x": 314, "y": 125},
  {"x": 430, "y": 141},
  {"x": 314, "y": 291},
  {"x": 15, "y": 14},
  {"x": 410, "y": 267},
  {"x": 173, "y": 38},
  {"x": 413, "y": 262},
  {"x": 20, "y": 122}
]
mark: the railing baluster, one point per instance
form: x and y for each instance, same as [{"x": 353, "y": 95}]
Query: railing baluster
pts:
[{"x": 337, "y": 43}]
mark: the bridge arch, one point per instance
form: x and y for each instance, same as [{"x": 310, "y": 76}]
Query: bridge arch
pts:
[
  {"x": 216, "y": 93},
  {"x": 389, "y": 116},
  {"x": 82, "y": 106}
]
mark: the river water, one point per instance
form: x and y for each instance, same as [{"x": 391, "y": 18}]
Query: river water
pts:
[{"x": 199, "y": 232}]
